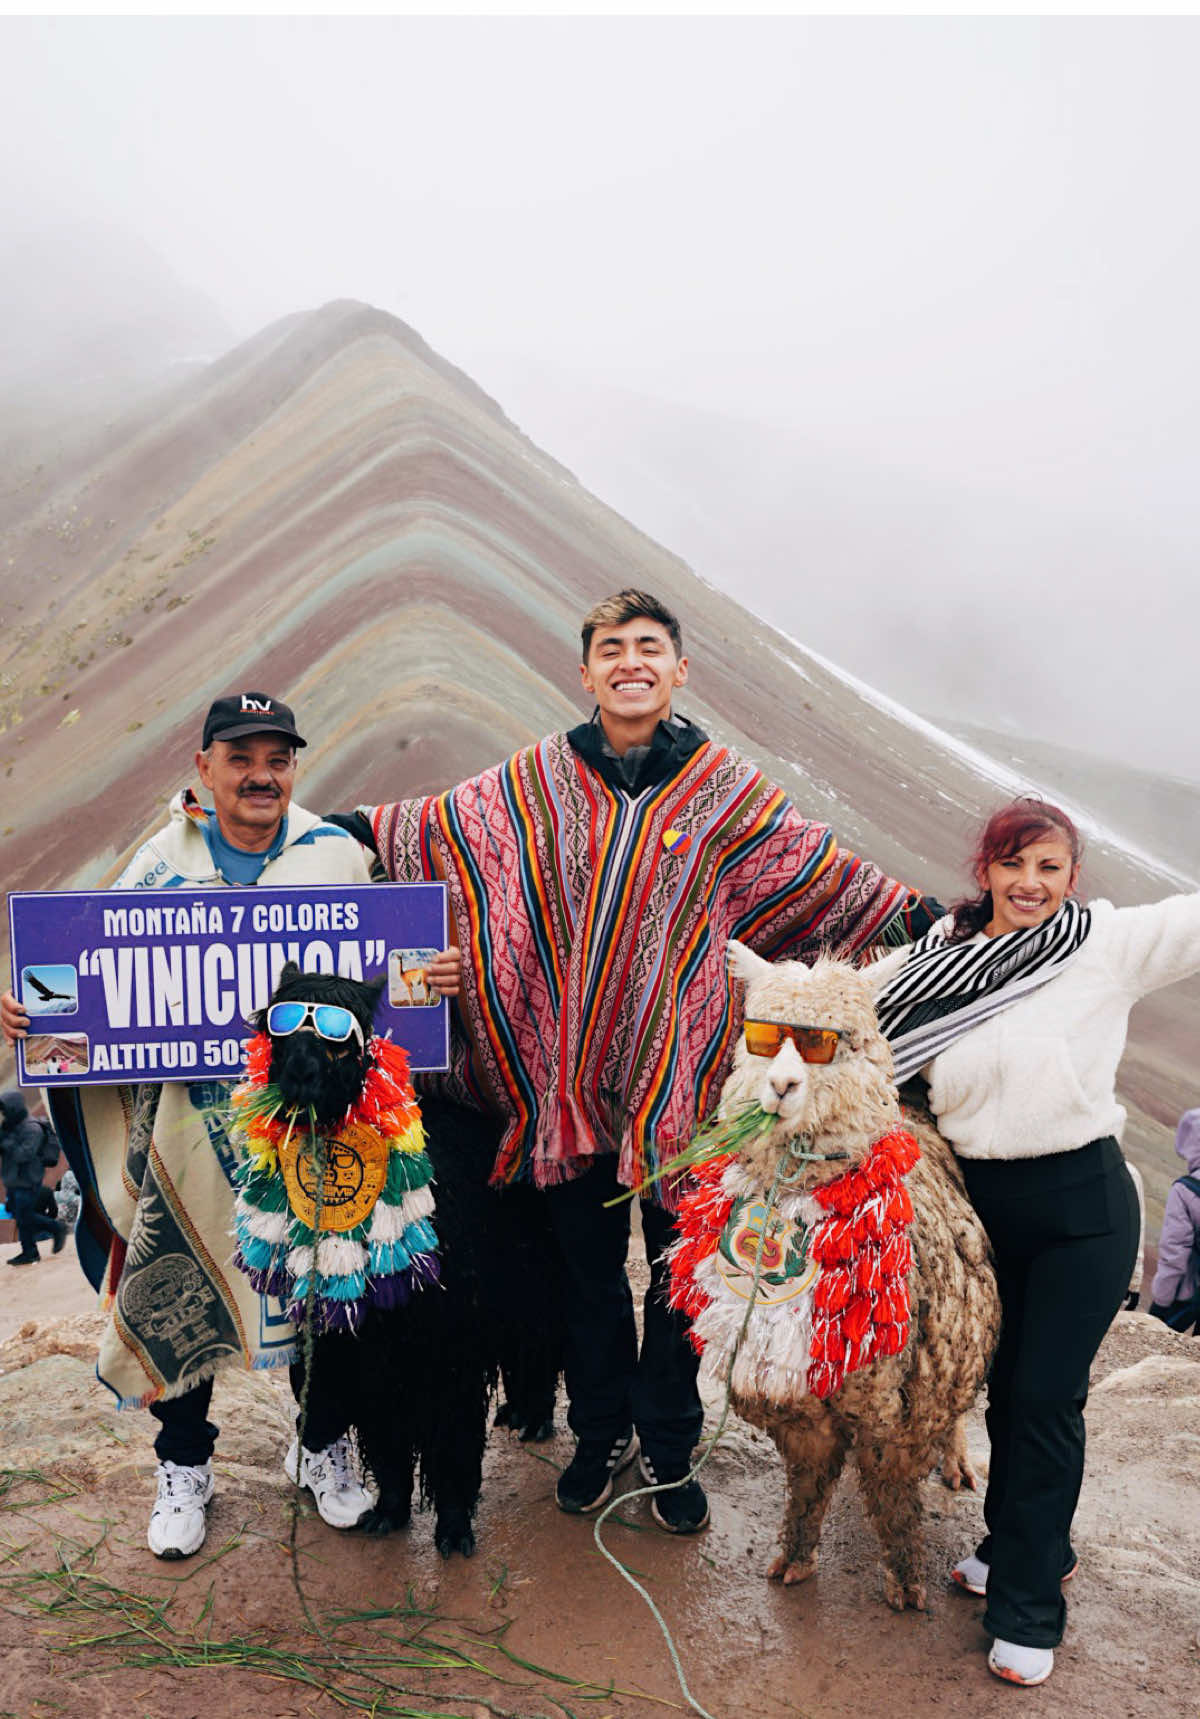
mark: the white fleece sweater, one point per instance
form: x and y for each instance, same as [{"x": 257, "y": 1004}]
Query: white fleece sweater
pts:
[{"x": 1040, "y": 1077}]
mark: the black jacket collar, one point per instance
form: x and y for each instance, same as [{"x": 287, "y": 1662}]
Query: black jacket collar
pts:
[{"x": 672, "y": 744}]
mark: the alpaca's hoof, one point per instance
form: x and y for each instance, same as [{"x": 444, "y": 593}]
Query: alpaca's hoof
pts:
[
  {"x": 789, "y": 1572},
  {"x": 453, "y": 1533},
  {"x": 536, "y": 1431},
  {"x": 386, "y": 1519},
  {"x": 531, "y": 1425},
  {"x": 957, "y": 1472},
  {"x": 903, "y": 1595}
]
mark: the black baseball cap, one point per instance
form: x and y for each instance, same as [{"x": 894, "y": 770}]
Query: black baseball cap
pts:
[{"x": 245, "y": 713}]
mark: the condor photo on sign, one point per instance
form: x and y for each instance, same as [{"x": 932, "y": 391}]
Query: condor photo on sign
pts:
[{"x": 119, "y": 988}]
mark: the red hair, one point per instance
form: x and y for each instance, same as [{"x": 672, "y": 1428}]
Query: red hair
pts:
[{"x": 1013, "y": 827}]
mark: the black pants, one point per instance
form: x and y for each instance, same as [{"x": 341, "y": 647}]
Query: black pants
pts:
[
  {"x": 31, "y": 1224},
  {"x": 187, "y": 1436},
  {"x": 1182, "y": 1315},
  {"x": 333, "y": 1389},
  {"x": 609, "y": 1384},
  {"x": 1064, "y": 1229}
]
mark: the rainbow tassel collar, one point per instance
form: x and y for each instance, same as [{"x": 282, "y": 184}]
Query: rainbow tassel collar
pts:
[
  {"x": 832, "y": 1292},
  {"x": 337, "y": 1221}
]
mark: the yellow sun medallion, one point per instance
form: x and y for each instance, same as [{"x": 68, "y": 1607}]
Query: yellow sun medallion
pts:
[{"x": 356, "y": 1161}]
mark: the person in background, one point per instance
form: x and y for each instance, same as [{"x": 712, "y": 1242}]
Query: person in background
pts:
[
  {"x": 67, "y": 1198},
  {"x": 21, "y": 1171},
  {"x": 1015, "y": 1008},
  {"x": 1175, "y": 1292}
]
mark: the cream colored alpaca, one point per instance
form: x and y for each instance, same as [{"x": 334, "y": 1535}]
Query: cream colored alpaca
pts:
[{"x": 898, "y": 1414}]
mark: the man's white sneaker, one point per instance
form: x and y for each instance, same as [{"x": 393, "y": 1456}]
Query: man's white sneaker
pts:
[
  {"x": 1027, "y": 1666},
  {"x": 333, "y": 1478},
  {"x": 177, "y": 1522}
]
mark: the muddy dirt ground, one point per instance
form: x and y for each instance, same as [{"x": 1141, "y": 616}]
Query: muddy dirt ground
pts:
[{"x": 271, "y": 1619}]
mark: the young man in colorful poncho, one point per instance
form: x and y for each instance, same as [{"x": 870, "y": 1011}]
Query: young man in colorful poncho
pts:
[
  {"x": 595, "y": 880},
  {"x": 162, "y": 1164}
]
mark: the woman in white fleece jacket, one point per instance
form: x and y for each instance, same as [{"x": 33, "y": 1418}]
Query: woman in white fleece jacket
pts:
[{"x": 1015, "y": 1009}]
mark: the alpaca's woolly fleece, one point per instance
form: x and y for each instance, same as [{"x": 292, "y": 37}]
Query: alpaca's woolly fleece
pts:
[
  {"x": 384, "y": 1258},
  {"x": 847, "y": 1301}
]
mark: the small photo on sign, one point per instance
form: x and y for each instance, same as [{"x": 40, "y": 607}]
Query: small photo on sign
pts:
[
  {"x": 50, "y": 990},
  {"x": 406, "y": 979},
  {"x": 56, "y": 1053}
]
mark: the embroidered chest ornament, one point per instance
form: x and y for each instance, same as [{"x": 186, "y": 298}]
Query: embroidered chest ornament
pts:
[
  {"x": 334, "y": 1204},
  {"x": 831, "y": 1266},
  {"x": 762, "y": 1254}
]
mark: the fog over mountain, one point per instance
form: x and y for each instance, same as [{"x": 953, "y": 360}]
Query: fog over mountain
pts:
[
  {"x": 885, "y": 324},
  {"x": 93, "y": 304},
  {"x": 1037, "y": 616}
]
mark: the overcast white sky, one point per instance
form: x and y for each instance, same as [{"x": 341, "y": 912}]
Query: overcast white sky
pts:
[{"x": 888, "y": 325}]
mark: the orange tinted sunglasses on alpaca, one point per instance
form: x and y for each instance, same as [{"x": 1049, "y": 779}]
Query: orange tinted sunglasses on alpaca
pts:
[{"x": 815, "y": 1044}]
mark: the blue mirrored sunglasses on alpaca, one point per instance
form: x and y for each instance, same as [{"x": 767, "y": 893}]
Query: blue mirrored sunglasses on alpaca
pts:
[{"x": 328, "y": 1021}]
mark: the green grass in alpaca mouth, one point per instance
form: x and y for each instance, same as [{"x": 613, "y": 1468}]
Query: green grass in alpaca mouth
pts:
[
  {"x": 736, "y": 1132},
  {"x": 713, "y": 1139}
]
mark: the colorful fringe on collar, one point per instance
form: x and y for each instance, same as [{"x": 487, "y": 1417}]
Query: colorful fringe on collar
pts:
[
  {"x": 389, "y": 1250},
  {"x": 856, "y": 1305}
]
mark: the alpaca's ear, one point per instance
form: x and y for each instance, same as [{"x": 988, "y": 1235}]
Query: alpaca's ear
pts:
[
  {"x": 289, "y": 974},
  {"x": 878, "y": 971},
  {"x": 744, "y": 964}
]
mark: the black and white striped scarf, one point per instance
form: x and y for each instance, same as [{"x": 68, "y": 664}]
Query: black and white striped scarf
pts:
[{"x": 943, "y": 990}]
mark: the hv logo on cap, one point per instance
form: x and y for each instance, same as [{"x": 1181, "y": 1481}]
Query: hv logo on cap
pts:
[{"x": 243, "y": 713}]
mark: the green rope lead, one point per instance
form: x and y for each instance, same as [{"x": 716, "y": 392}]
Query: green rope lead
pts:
[
  {"x": 789, "y": 1167},
  {"x": 307, "y": 1336}
]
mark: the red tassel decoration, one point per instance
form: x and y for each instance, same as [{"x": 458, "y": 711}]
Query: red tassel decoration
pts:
[{"x": 860, "y": 1307}]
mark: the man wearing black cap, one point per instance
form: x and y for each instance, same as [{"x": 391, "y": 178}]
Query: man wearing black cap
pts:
[
  {"x": 179, "y": 1309},
  {"x": 247, "y": 762}
]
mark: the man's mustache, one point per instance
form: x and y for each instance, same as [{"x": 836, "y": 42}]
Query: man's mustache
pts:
[{"x": 259, "y": 788}]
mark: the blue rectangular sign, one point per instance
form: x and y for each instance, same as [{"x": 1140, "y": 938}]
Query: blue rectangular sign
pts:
[{"x": 128, "y": 985}]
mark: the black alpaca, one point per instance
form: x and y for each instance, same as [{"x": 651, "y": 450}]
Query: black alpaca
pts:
[{"x": 421, "y": 1377}]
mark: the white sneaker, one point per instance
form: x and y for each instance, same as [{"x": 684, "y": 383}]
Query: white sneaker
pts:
[
  {"x": 972, "y": 1574},
  {"x": 333, "y": 1478},
  {"x": 177, "y": 1522},
  {"x": 1027, "y": 1666}
]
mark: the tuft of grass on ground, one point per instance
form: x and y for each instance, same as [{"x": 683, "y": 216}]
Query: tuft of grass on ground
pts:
[{"x": 392, "y": 1662}]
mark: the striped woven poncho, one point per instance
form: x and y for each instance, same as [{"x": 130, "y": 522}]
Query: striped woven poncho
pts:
[{"x": 594, "y": 926}]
